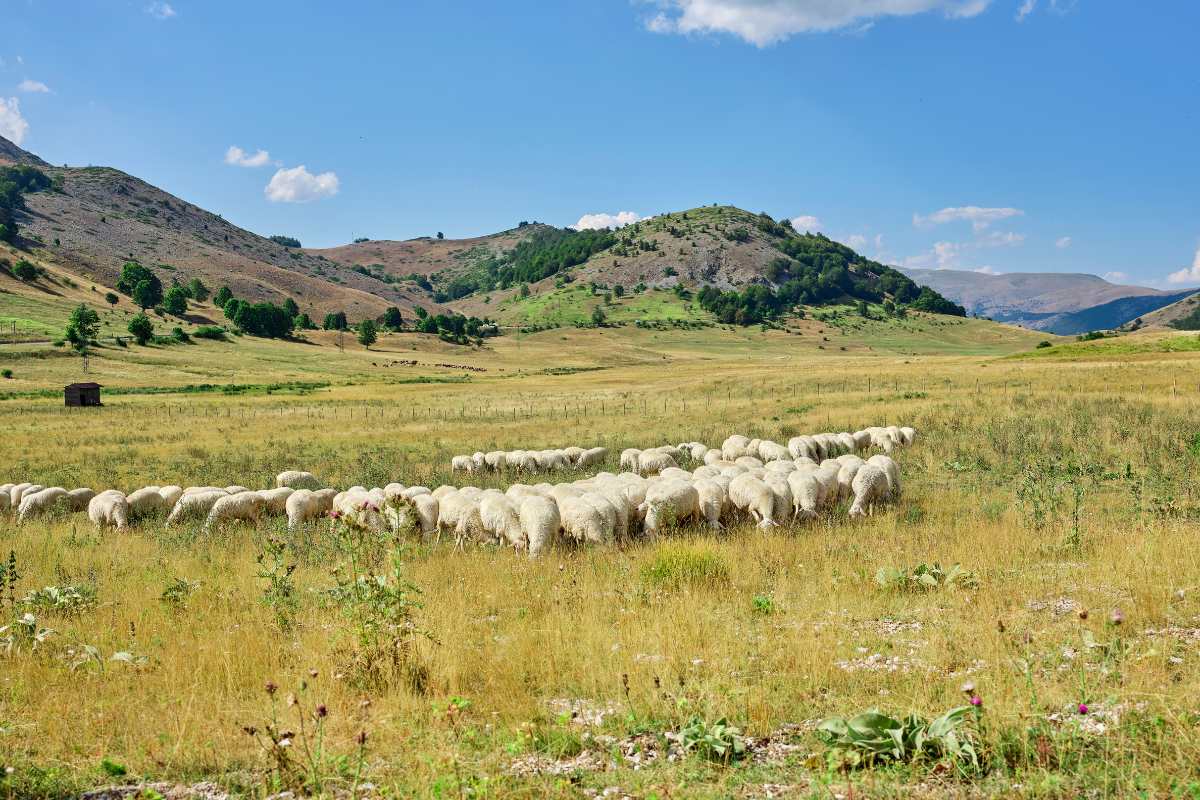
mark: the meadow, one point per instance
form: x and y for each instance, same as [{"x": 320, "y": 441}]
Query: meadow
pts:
[{"x": 1060, "y": 481}]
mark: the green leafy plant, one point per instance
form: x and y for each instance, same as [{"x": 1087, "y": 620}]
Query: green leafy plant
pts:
[
  {"x": 279, "y": 594},
  {"x": 718, "y": 741},
  {"x": 62, "y": 600},
  {"x": 926, "y": 577},
  {"x": 872, "y": 738}
]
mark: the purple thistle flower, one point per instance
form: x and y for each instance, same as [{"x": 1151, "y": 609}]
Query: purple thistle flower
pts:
[
  {"x": 976, "y": 700},
  {"x": 1083, "y": 709}
]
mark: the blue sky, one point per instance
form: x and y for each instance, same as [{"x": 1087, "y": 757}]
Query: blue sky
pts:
[{"x": 1004, "y": 135}]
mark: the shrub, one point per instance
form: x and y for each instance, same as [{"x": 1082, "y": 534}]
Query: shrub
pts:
[
  {"x": 142, "y": 328},
  {"x": 1043, "y": 343},
  {"x": 6, "y": 373},
  {"x": 25, "y": 271},
  {"x": 175, "y": 301},
  {"x": 872, "y": 737},
  {"x": 286, "y": 241},
  {"x": 924, "y": 577},
  {"x": 180, "y": 335},
  {"x": 719, "y": 741},
  {"x": 210, "y": 332}
]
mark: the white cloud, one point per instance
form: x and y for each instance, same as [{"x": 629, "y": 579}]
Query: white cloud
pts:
[
  {"x": 1116, "y": 277},
  {"x": 298, "y": 185},
  {"x": 806, "y": 222},
  {"x": 856, "y": 241},
  {"x": 594, "y": 222},
  {"x": 999, "y": 239},
  {"x": 1187, "y": 275},
  {"x": 33, "y": 86},
  {"x": 237, "y": 157},
  {"x": 767, "y": 22},
  {"x": 1064, "y": 242},
  {"x": 1026, "y": 9},
  {"x": 980, "y": 218},
  {"x": 12, "y": 125},
  {"x": 986, "y": 271},
  {"x": 160, "y": 10}
]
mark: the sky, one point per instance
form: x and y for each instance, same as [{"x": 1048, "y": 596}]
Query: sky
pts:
[{"x": 992, "y": 135}]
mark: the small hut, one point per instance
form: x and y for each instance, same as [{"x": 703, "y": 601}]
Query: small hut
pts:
[{"x": 82, "y": 394}]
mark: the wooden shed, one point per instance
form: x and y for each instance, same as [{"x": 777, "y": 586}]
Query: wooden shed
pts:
[{"x": 82, "y": 394}]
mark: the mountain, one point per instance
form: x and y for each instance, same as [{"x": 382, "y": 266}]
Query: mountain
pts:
[
  {"x": 744, "y": 268},
  {"x": 94, "y": 219},
  {"x": 1056, "y": 302},
  {"x": 1181, "y": 315}
]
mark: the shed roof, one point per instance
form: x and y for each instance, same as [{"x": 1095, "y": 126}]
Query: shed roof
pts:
[{"x": 83, "y": 386}]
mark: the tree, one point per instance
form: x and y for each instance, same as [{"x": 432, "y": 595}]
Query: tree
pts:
[
  {"x": 25, "y": 270},
  {"x": 111, "y": 298},
  {"x": 524, "y": 292},
  {"x": 289, "y": 305},
  {"x": 367, "y": 333},
  {"x": 261, "y": 319},
  {"x": 175, "y": 301},
  {"x": 147, "y": 293},
  {"x": 304, "y": 322},
  {"x": 441, "y": 235},
  {"x": 197, "y": 290},
  {"x": 223, "y": 296},
  {"x": 619, "y": 290},
  {"x": 335, "y": 322},
  {"x": 82, "y": 327},
  {"x": 142, "y": 328},
  {"x": 598, "y": 316},
  {"x": 393, "y": 319},
  {"x": 133, "y": 274},
  {"x": 420, "y": 312},
  {"x": 286, "y": 241}
]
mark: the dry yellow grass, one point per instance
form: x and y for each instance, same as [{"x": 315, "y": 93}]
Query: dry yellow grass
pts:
[{"x": 1062, "y": 485}]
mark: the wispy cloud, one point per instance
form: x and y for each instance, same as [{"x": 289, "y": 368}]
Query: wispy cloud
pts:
[
  {"x": 595, "y": 222},
  {"x": 979, "y": 217},
  {"x": 806, "y": 222},
  {"x": 767, "y": 22},
  {"x": 298, "y": 185},
  {"x": 161, "y": 10},
  {"x": 12, "y": 125},
  {"x": 1027, "y": 7},
  {"x": 1116, "y": 276},
  {"x": 33, "y": 87},
  {"x": 1064, "y": 242},
  {"x": 237, "y": 157},
  {"x": 1187, "y": 274}
]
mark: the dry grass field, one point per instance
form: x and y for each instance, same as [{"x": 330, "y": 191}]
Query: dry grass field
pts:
[{"x": 1062, "y": 482}]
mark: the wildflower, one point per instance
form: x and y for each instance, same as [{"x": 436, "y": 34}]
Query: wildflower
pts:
[
  {"x": 1000, "y": 625},
  {"x": 1117, "y": 617},
  {"x": 291, "y": 700},
  {"x": 362, "y": 737},
  {"x": 967, "y": 688},
  {"x": 1083, "y": 613},
  {"x": 365, "y": 703},
  {"x": 322, "y": 711},
  {"x": 312, "y": 673},
  {"x": 250, "y": 730},
  {"x": 285, "y": 742},
  {"x": 271, "y": 687},
  {"x": 976, "y": 701},
  {"x": 1083, "y": 709}
]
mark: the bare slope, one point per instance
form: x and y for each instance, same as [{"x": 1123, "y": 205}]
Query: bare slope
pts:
[{"x": 97, "y": 218}]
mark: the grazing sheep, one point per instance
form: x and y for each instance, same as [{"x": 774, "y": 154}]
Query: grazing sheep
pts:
[
  {"x": 711, "y": 497},
  {"x": 146, "y": 501},
  {"x": 772, "y": 451},
  {"x": 747, "y": 493},
  {"x": 235, "y": 489},
  {"x": 109, "y": 509},
  {"x": 540, "y": 523},
  {"x": 582, "y": 521},
  {"x": 908, "y": 435},
  {"x": 459, "y": 512},
  {"x": 892, "y": 470},
  {"x": 275, "y": 500},
  {"x": 20, "y": 491},
  {"x": 870, "y": 489},
  {"x": 78, "y": 499},
  {"x": 37, "y": 503},
  {"x": 778, "y": 484},
  {"x": 494, "y": 460},
  {"x": 305, "y": 505},
  {"x": 296, "y": 479},
  {"x": 670, "y": 503},
  {"x": 170, "y": 495},
  {"x": 629, "y": 459},
  {"x": 650, "y": 462},
  {"x": 573, "y": 454},
  {"x": 713, "y": 457},
  {"x": 591, "y": 457},
  {"x": 462, "y": 464},
  {"x": 246, "y": 506},
  {"x": 499, "y": 517},
  {"x": 442, "y": 491},
  {"x": 845, "y": 477},
  {"x": 808, "y": 494},
  {"x": 193, "y": 504}
]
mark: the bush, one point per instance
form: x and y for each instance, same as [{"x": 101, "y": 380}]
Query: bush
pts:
[
  {"x": 25, "y": 270},
  {"x": 872, "y": 737},
  {"x": 6, "y": 373},
  {"x": 1043, "y": 343},
  {"x": 286, "y": 241},
  {"x": 180, "y": 335},
  {"x": 141, "y": 328},
  {"x": 210, "y": 332},
  {"x": 175, "y": 301}
]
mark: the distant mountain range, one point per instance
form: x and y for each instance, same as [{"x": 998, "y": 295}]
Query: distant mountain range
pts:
[{"x": 1055, "y": 302}]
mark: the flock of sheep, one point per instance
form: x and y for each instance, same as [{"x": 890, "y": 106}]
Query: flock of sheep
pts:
[{"x": 744, "y": 479}]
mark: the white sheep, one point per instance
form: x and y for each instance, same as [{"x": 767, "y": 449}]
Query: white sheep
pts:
[
  {"x": 245, "y": 506},
  {"x": 459, "y": 512},
  {"x": 629, "y": 459},
  {"x": 652, "y": 461},
  {"x": 78, "y": 499},
  {"x": 711, "y": 495},
  {"x": 499, "y": 517},
  {"x": 296, "y": 479},
  {"x": 145, "y": 501},
  {"x": 582, "y": 521},
  {"x": 891, "y": 469},
  {"x": 18, "y": 493},
  {"x": 870, "y": 489},
  {"x": 846, "y": 475},
  {"x": 194, "y": 504},
  {"x": 235, "y": 489},
  {"x": 540, "y": 523},
  {"x": 109, "y": 509},
  {"x": 275, "y": 500},
  {"x": 808, "y": 494},
  {"x": 305, "y": 505},
  {"x": 747, "y": 493},
  {"x": 462, "y": 464},
  {"x": 670, "y": 503},
  {"x": 908, "y": 435},
  {"x": 37, "y": 503},
  {"x": 170, "y": 495},
  {"x": 778, "y": 484},
  {"x": 591, "y": 457}
]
